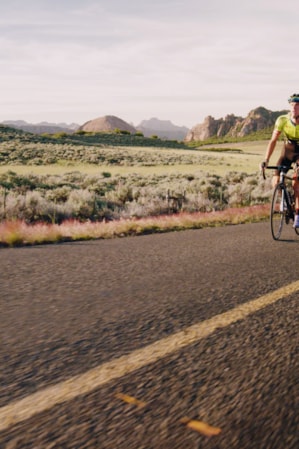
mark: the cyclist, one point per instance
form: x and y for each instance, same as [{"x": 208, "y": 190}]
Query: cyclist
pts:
[{"x": 288, "y": 125}]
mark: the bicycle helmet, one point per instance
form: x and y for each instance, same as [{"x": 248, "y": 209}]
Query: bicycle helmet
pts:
[{"x": 294, "y": 98}]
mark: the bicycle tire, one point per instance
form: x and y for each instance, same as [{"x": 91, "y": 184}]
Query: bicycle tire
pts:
[{"x": 278, "y": 207}]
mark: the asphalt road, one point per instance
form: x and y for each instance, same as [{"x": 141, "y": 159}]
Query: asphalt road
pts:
[{"x": 67, "y": 309}]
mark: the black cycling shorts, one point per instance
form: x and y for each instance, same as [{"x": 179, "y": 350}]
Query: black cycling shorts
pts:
[{"x": 290, "y": 154}]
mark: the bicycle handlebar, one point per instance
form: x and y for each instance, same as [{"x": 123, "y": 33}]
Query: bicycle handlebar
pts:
[
  {"x": 277, "y": 167},
  {"x": 274, "y": 167}
]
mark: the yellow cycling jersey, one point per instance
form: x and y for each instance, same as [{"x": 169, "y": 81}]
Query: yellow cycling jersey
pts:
[{"x": 284, "y": 124}]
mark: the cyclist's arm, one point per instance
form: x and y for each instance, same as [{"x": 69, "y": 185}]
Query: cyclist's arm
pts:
[{"x": 272, "y": 144}]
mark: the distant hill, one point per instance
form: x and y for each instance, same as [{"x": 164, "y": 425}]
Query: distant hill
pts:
[
  {"x": 108, "y": 123},
  {"x": 15, "y": 138},
  {"x": 164, "y": 129},
  {"x": 233, "y": 126},
  {"x": 42, "y": 127},
  {"x": 12, "y": 134},
  {"x": 9, "y": 132},
  {"x": 258, "y": 119}
]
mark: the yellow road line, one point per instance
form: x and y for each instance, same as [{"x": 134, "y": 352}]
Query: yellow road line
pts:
[
  {"x": 42, "y": 400},
  {"x": 201, "y": 427},
  {"x": 130, "y": 400}
]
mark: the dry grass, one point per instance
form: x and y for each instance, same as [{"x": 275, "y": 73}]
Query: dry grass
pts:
[{"x": 16, "y": 233}]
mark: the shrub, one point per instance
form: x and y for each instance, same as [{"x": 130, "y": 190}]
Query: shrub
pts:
[
  {"x": 77, "y": 195},
  {"x": 59, "y": 195},
  {"x": 82, "y": 203},
  {"x": 60, "y": 135}
]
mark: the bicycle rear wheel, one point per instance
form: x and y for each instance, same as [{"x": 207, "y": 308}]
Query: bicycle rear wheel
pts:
[{"x": 278, "y": 211}]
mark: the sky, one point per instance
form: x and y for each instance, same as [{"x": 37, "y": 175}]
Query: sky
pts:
[{"x": 178, "y": 60}]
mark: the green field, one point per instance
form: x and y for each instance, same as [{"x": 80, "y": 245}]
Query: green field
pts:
[{"x": 214, "y": 159}]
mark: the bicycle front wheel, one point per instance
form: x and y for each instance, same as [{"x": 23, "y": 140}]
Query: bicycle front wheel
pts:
[{"x": 278, "y": 210}]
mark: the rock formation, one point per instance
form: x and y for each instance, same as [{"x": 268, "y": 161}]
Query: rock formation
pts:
[
  {"x": 233, "y": 126},
  {"x": 107, "y": 123},
  {"x": 163, "y": 129}
]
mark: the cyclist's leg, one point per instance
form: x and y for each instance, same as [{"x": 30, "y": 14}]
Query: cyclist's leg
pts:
[
  {"x": 286, "y": 158},
  {"x": 295, "y": 185}
]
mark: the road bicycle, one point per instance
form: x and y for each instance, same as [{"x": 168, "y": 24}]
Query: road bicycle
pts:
[{"x": 283, "y": 203}]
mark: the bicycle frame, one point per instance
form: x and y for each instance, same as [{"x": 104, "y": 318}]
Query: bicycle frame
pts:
[
  {"x": 282, "y": 206},
  {"x": 286, "y": 194}
]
